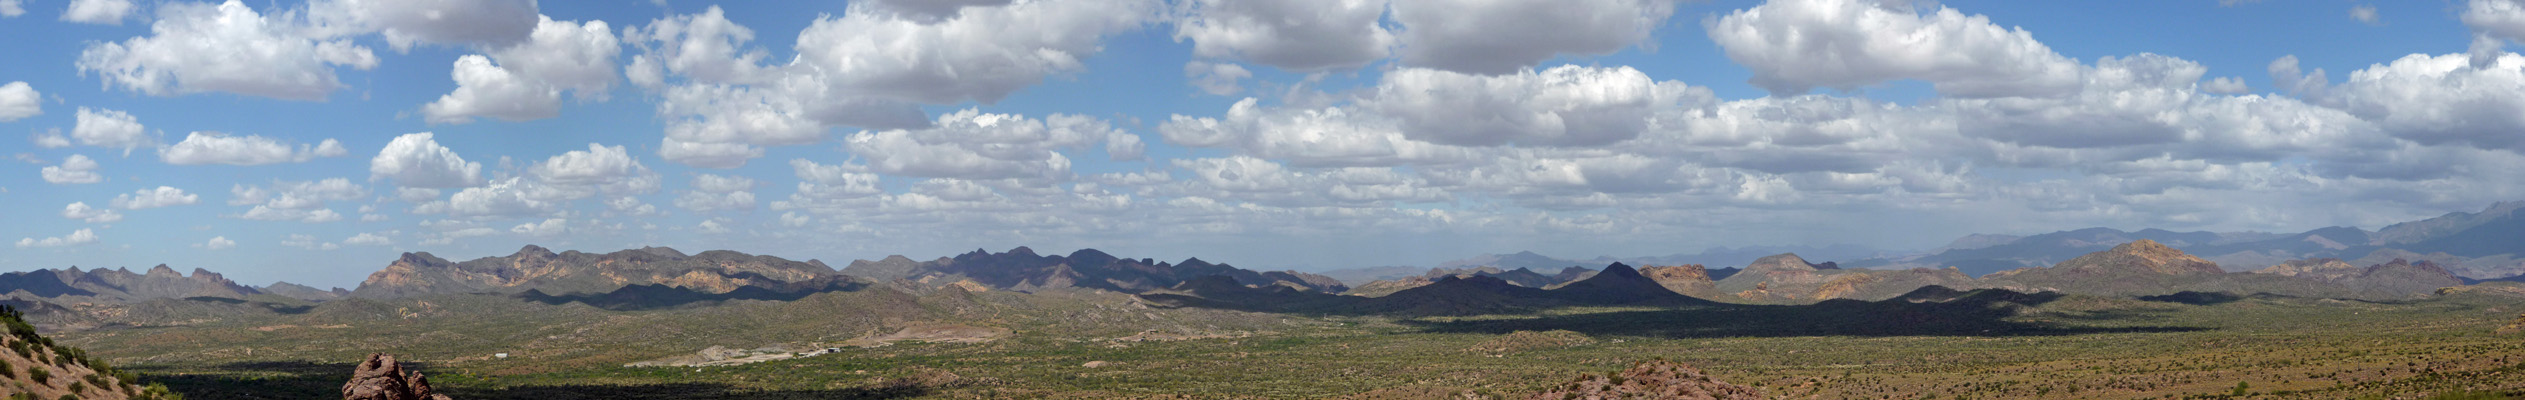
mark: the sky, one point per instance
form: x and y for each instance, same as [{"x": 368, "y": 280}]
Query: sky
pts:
[{"x": 313, "y": 142}]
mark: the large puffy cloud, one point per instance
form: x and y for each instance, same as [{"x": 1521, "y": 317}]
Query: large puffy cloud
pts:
[
  {"x": 216, "y": 148},
  {"x": 12, "y": 8},
  {"x": 1566, "y": 105},
  {"x": 705, "y": 47},
  {"x": 110, "y": 129},
  {"x": 2441, "y": 99},
  {"x": 161, "y": 196},
  {"x": 78, "y": 168},
  {"x": 969, "y": 144},
  {"x": 1298, "y": 35},
  {"x": 80, "y": 237},
  {"x": 485, "y": 90},
  {"x": 722, "y": 103},
  {"x": 408, "y": 22},
  {"x": 414, "y": 160},
  {"x": 1502, "y": 36},
  {"x": 608, "y": 168},
  {"x": 567, "y": 54},
  {"x": 529, "y": 77},
  {"x": 981, "y": 54},
  {"x": 18, "y": 101},
  {"x": 109, "y": 12},
  {"x": 1797, "y": 45},
  {"x": 228, "y": 47}
]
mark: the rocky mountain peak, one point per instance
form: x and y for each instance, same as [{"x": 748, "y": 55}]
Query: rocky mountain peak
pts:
[
  {"x": 2143, "y": 255},
  {"x": 534, "y": 251},
  {"x": 159, "y": 271},
  {"x": 1783, "y": 262}
]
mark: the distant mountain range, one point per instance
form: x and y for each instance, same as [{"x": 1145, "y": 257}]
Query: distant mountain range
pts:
[
  {"x": 1617, "y": 284},
  {"x": 123, "y": 285},
  {"x": 2399, "y": 261},
  {"x": 1022, "y": 269},
  {"x": 2483, "y": 245}
]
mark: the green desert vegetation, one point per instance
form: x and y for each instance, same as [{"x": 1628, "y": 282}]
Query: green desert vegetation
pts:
[{"x": 2003, "y": 346}]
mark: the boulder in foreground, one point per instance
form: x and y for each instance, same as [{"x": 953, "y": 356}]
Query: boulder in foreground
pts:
[{"x": 380, "y": 378}]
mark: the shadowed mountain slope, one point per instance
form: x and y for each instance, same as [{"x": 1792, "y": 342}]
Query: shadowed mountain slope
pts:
[{"x": 1022, "y": 269}]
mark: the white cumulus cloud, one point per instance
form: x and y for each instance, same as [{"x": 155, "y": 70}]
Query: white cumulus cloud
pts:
[
  {"x": 1794, "y": 46},
  {"x": 216, "y": 148},
  {"x": 78, "y": 168},
  {"x": 1503, "y": 36},
  {"x": 161, "y": 196},
  {"x": 75, "y": 238},
  {"x": 108, "y": 12},
  {"x": 1296, "y": 35},
  {"x": 112, "y": 129},
  {"x": 19, "y": 100},
  {"x": 81, "y": 211},
  {"x": 194, "y": 48},
  {"x": 414, "y": 160}
]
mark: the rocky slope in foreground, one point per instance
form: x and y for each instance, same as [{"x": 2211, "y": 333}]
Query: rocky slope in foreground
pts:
[{"x": 36, "y": 366}]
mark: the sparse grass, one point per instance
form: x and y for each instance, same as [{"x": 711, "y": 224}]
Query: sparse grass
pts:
[{"x": 2076, "y": 347}]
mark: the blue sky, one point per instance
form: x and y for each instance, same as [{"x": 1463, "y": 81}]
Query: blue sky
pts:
[{"x": 1283, "y": 134}]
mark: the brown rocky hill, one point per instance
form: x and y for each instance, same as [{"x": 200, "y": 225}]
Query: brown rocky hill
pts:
[
  {"x": 2397, "y": 278},
  {"x": 1787, "y": 278},
  {"x": 2146, "y": 268},
  {"x": 1022, "y": 269},
  {"x": 1688, "y": 279},
  {"x": 536, "y": 268},
  {"x": 35, "y": 366}
]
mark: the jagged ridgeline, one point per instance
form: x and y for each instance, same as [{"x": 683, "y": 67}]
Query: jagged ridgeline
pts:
[{"x": 34, "y": 367}]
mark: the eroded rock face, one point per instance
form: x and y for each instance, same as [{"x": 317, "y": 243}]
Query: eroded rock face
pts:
[
  {"x": 380, "y": 378},
  {"x": 1656, "y": 379}
]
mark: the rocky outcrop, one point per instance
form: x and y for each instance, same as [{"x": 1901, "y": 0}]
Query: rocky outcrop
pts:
[
  {"x": 2141, "y": 256},
  {"x": 1655, "y": 379},
  {"x": 1688, "y": 279},
  {"x": 380, "y": 378}
]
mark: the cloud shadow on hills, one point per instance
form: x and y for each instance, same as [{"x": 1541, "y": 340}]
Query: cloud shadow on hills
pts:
[
  {"x": 652, "y": 297},
  {"x": 310, "y": 380},
  {"x": 1832, "y": 318}
]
